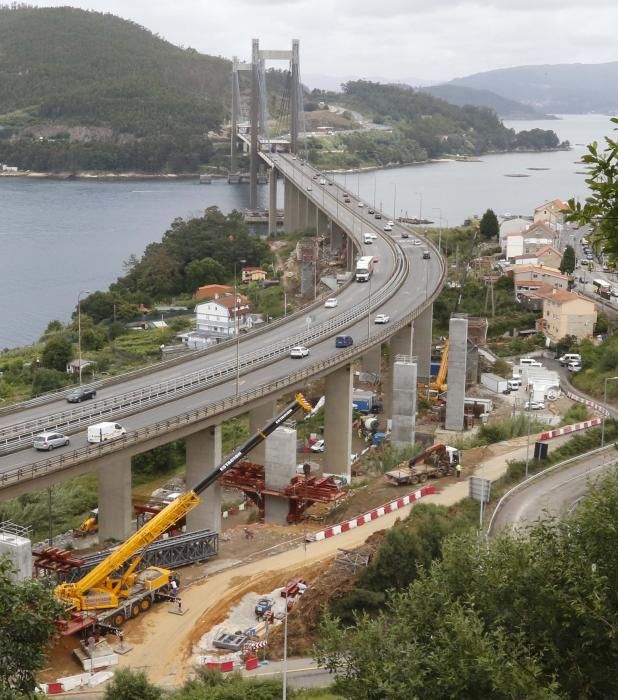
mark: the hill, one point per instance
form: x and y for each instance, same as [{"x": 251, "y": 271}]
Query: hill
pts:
[
  {"x": 85, "y": 90},
  {"x": 574, "y": 88},
  {"x": 503, "y": 107}
]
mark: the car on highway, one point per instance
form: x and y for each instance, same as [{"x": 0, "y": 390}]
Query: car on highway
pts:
[
  {"x": 49, "y": 441},
  {"x": 299, "y": 351},
  {"x": 263, "y": 606},
  {"x": 381, "y": 318},
  {"x": 378, "y": 215},
  {"x": 534, "y": 405},
  {"x": 316, "y": 176},
  {"x": 331, "y": 303},
  {"x": 388, "y": 227},
  {"x": 318, "y": 446},
  {"x": 614, "y": 292},
  {"x": 390, "y": 223},
  {"x": 309, "y": 188},
  {"x": 574, "y": 366},
  {"x": 426, "y": 255},
  {"x": 346, "y": 200},
  {"x": 322, "y": 181},
  {"x": 81, "y": 393},
  {"x": 371, "y": 211},
  {"x": 405, "y": 234},
  {"x": 344, "y": 341},
  {"x": 416, "y": 242},
  {"x": 361, "y": 204}
]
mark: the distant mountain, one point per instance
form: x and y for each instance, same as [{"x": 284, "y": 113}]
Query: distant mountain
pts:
[
  {"x": 332, "y": 83},
  {"x": 572, "y": 88},
  {"x": 504, "y": 108}
]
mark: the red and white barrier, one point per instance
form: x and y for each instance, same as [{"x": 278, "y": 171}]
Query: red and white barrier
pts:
[
  {"x": 374, "y": 514},
  {"x": 573, "y": 428},
  {"x": 587, "y": 402}
]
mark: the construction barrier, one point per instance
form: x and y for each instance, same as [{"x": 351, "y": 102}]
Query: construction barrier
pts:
[
  {"x": 566, "y": 429},
  {"x": 223, "y": 666},
  {"x": 251, "y": 663},
  {"x": 587, "y": 402},
  {"x": 367, "y": 517}
]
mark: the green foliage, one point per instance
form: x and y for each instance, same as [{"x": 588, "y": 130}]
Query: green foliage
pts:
[
  {"x": 205, "y": 271},
  {"x": 504, "y": 429},
  {"x": 212, "y": 685},
  {"x": 28, "y": 611},
  {"x": 567, "y": 264},
  {"x": 387, "y": 457},
  {"x": 530, "y": 616},
  {"x": 489, "y": 226},
  {"x": 575, "y": 414},
  {"x": 160, "y": 460},
  {"x": 46, "y": 380},
  {"x": 131, "y": 685},
  {"x": 598, "y": 362},
  {"x": 140, "y": 103},
  {"x": 601, "y": 206},
  {"x": 57, "y": 352}
]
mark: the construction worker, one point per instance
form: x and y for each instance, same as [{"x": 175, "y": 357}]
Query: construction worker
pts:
[{"x": 458, "y": 470}]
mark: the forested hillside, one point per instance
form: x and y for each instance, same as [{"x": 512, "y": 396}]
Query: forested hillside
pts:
[{"x": 85, "y": 90}]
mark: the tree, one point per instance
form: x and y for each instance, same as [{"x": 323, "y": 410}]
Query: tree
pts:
[
  {"x": 567, "y": 264},
  {"x": 601, "y": 207},
  {"x": 28, "y": 611},
  {"x": 204, "y": 271},
  {"x": 45, "y": 380},
  {"x": 56, "y": 353},
  {"x": 131, "y": 685},
  {"x": 489, "y": 226}
]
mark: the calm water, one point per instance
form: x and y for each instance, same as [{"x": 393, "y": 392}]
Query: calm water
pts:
[{"x": 57, "y": 238}]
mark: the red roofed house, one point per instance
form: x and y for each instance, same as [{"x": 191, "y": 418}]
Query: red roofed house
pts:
[
  {"x": 551, "y": 213},
  {"x": 212, "y": 291},
  {"x": 223, "y": 317},
  {"x": 566, "y": 313},
  {"x": 532, "y": 277},
  {"x": 253, "y": 274}
]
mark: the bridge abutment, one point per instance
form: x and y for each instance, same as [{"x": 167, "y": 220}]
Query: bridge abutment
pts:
[
  {"x": 421, "y": 345},
  {"x": 203, "y": 454},
  {"x": 279, "y": 468},
  {"x": 456, "y": 376},
  {"x": 400, "y": 344},
  {"x": 404, "y": 402},
  {"x": 338, "y": 421},
  {"x": 114, "y": 496}
]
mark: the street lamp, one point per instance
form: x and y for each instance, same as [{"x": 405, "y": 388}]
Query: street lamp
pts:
[
  {"x": 528, "y": 442},
  {"x": 607, "y": 379},
  {"x": 237, "y": 326},
  {"x": 369, "y": 312},
  {"x": 79, "y": 330}
]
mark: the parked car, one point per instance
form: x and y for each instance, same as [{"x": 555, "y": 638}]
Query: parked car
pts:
[
  {"x": 81, "y": 393},
  {"x": 299, "y": 351},
  {"x": 263, "y": 606},
  {"x": 381, "y": 318},
  {"x": 534, "y": 405},
  {"x": 318, "y": 446},
  {"x": 49, "y": 441},
  {"x": 331, "y": 303}
]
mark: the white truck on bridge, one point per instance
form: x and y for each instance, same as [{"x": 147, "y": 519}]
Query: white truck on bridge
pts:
[{"x": 364, "y": 268}]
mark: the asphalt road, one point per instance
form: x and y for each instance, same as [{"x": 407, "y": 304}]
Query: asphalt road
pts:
[
  {"x": 554, "y": 494},
  {"x": 424, "y": 278}
]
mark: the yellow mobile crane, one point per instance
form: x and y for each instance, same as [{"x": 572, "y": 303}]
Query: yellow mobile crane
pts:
[
  {"x": 115, "y": 589},
  {"x": 433, "y": 391}
]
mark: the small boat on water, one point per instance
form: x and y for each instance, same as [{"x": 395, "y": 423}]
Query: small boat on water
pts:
[
  {"x": 538, "y": 168},
  {"x": 516, "y": 175}
]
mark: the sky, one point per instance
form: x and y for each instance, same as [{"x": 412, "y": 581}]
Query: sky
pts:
[{"x": 397, "y": 40}]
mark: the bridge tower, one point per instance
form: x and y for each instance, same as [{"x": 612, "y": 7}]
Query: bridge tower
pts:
[{"x": 257, "y": 111}]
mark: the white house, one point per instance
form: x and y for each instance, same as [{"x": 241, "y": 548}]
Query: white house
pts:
[
  {"x": 552, "y": 213},
  {"x": 223, "y": 317},
  {"x": 514, "y": 225}
]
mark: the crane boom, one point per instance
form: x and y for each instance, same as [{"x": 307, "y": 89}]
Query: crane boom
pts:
[{"x": 99, "y": 577}]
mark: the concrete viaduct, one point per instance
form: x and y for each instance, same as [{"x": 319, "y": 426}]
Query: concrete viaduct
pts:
[{"x": 190, "y": 397}]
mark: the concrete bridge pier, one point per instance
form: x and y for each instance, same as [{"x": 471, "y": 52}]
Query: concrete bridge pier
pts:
[
  {"x": 290, "y": 207},
  {"x": 323, "y": 222},
  {"x": 421, "y": 346},
  {"x": 258, "y": 417},
  {"x": 456, "y": 375},
  {"x": 400, "y": 344},
  {"x": 114, "y": 496},
  {"x": 338, "y": 422},
  {"x": 337, "y": 238},
  {"x": 203, "y": 454},
  {"x": 279, "y": 468},
  {"x": 404, "y": 402},
  {"x": 272, "y": 201},
  {"x": 371, "y": 361}
]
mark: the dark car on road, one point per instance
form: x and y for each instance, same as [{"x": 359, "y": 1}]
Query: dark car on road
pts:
[{"x": 81, "y": 393}]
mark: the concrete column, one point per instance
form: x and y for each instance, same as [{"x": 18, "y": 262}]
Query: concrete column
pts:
[
  {"x": 272, "y": 203},
  {"x": 203, "y": 455},
  {"x": 400, "y": 344},
  {"x": 322, "y": 222},
  {"x": 303, "y": 211},
  {"x": 290, "y": 221},
  {"x": 279, "y": 468},
  {"x": 254, "y": 121},
  {"x": 115, "y": 507},
  {"x": 421, "y": 346},
  {"x": 338, "y": 421},
  {"x": 372, "y": 361},
  {"x": 258, "y": 417},
  {"x": 404, "y": 404},
  {"x": 337, "y": 238},
  {"x": 456, "y": 376}
]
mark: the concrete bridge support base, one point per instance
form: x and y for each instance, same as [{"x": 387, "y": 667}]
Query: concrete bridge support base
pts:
[
  {"x": 400, "y": 344},
  {"x": 279, "y": 468},
  {"x": 421, "y": 347},
  {"x": 404, "y": 403},
  {"x": 456, "y": 376},
  {"x": 203, "y": 454},
  {"x": 258, "y": 417},
  {"x": 272, "y": 201},
  {"x": 115, "y": 507},
  {"x": 338, "y": 422}
]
